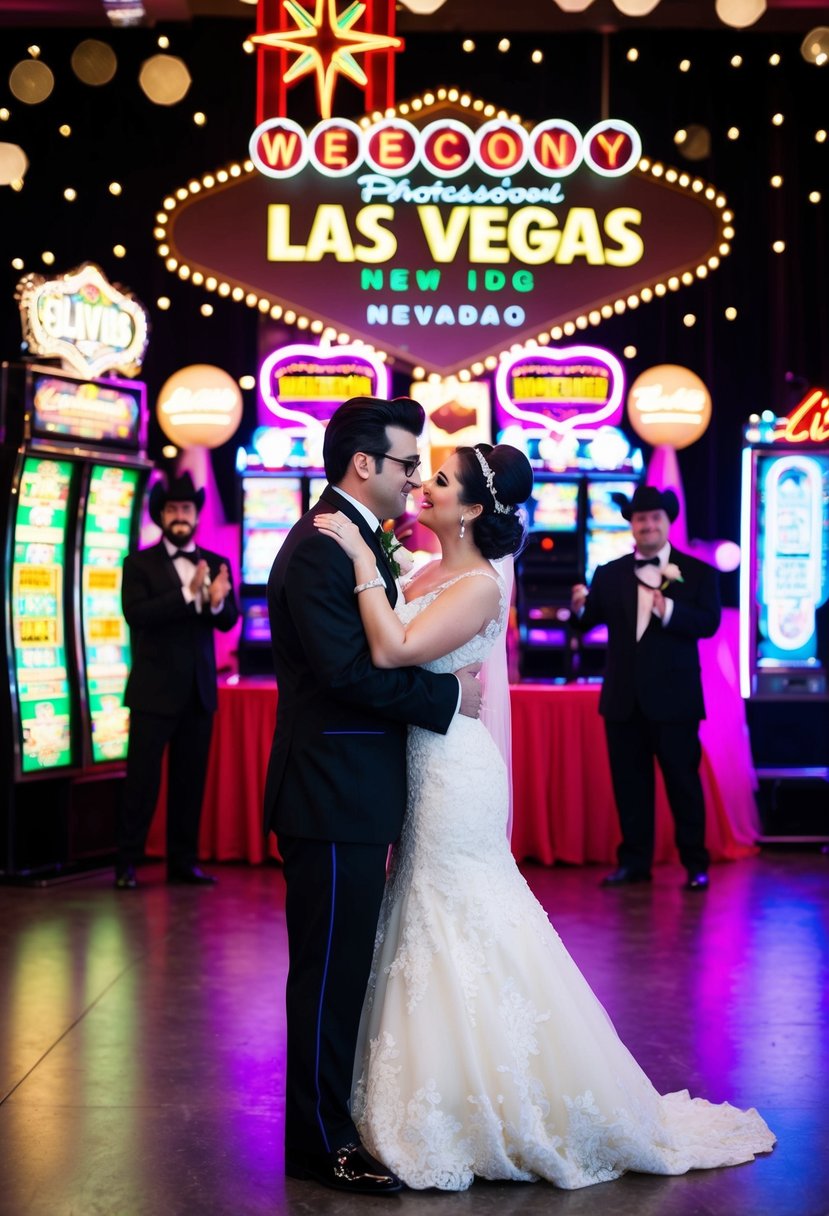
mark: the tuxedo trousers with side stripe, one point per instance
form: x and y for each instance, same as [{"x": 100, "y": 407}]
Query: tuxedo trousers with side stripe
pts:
[{"x": 333, "y": 896}]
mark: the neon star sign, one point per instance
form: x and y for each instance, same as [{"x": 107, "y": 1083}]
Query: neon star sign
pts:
[{"x": 326, "y": 45}]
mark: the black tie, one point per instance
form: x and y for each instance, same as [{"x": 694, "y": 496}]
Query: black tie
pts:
[
  {"x": 191, "y": 555},
  {"x": 645, "y": 561}
]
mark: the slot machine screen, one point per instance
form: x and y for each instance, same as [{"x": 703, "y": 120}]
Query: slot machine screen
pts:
[
  {"x": 608, "y": 534},
  {"x": 554, "y": 506},
  {"x": 38, "y": 614},
  {"x": 270, "y": 508}
]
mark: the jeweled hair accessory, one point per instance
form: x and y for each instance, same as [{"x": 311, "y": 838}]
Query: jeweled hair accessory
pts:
[{"x": 489, "y": 477}]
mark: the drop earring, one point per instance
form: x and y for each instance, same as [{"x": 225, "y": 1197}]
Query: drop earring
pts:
[{"x": 463, "y": 529}]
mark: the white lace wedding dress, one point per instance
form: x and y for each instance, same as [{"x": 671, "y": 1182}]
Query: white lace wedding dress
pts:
[{"x": 482, "y": 1049}]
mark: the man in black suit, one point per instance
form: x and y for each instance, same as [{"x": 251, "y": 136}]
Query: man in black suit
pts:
[
  {"x": 657, "y": 603},
  {"x": 174, "y": 595},
  {"x": 336, "y": 784}
]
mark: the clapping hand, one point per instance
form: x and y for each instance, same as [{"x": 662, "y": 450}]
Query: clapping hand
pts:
[
  {"x": 200, "y": 576},
  {"x": 345, "y": 533},
  {"x": 578, "y": 595},
  {"x": 220, "y": 587}
]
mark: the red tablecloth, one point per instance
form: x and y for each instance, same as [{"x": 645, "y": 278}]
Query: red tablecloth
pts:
[{"x": 563, "y": 801}]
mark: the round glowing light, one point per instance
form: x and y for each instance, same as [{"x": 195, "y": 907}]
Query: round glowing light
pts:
[
  {"x": 163, "y": 303},
  {"x": 814, "y": 196},
  {"x": 504, "y": 45},
  {"x": 774, "y": 60},
  {"x": 119, "y": 251},
  {"x": 630, "y": 352},
  {"x": 820, "y": 136},
  {"x": 199, "y": 118},
  {"x": 248, "y": 47},
  {"x": 736, "y": 61},
  {"x": 31, "y": 81},
  {"x": 163, "y": 42},
  {"x": 94, "y": 62},
  {"x": 537, "y": 57},
  {"x": 680, "y": 136},
  {"x": 689, "y": 320},
  {"x": 206, "y": 310},
  {"x": 669, "y": 405},
  {"x": 776, "y": 181},
  {"x": 247, "y": 382},
  {"x": 164, "y": 79},
  {"x": 779, "y": 246},
  {"x": 685, "y": 65},
  {"x": 200, "y": 405},
  {"x": 740, "y": 13},
  {"x": 5, "y": 114},
  {"x": 731, "y": 314},
  {"x": 815, "y": 46},
  {"x": 423, "y": 7},
  {"x": 70, "y": 194},
  {"x": 17, "y": 263},
  {"x": 468, "y": 45},
  {"x": 115, "y": 188},
  {"x": 733, "y": 132},
  {"x": 632, "y": 54},
  {"x": 48, "y": 258},
  {"x": 697, "y": 142},
  {"x": 777, "y": 120},
  {"x": 636, "y": 8},
  {"x": 13, "y": 164}
]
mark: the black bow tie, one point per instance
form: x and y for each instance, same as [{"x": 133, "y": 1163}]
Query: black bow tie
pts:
[
  {"x": 191, "y": 555},
  {"x": 645, "y": 561}
]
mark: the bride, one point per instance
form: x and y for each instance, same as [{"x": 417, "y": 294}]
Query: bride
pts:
[{"x": 482, "y": 1049}]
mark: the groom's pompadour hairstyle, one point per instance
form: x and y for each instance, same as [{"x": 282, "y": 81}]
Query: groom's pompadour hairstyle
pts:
[{"x": 359, "y": 425}]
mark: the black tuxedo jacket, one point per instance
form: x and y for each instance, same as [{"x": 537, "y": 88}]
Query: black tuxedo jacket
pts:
[
  {"x": 661, "y": 672},
  {"x": 337, "y": 769},
  {"x": 172, "y": 643}
]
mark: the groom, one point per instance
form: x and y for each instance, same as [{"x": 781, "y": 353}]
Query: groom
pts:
[
  {"x": 336, "y": 784},
  {"x": 657, "y": 603}
]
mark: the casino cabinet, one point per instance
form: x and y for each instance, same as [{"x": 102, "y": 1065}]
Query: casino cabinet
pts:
[
  {"x": 575, "y": 525},
  {"x": 784, "y": 611},
  {"x": 72, "y": 475}
]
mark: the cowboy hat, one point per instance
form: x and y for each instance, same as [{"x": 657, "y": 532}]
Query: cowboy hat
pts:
[
  {"x": 179, "y": 489},
  {"x": 648, "y": 498}
]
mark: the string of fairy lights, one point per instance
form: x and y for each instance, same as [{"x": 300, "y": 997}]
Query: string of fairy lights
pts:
[{"x": 166, "y": 81}]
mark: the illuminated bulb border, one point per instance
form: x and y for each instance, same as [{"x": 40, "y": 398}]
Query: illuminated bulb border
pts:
[{"x": 675, "y": 179}]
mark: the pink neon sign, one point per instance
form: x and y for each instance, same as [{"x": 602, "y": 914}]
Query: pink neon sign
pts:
[
  {"x": 559, "y": 389},
  {"x": 303, "y": 384}
]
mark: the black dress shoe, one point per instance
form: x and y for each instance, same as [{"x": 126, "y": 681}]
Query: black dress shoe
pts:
[
  {"x": 350, "y": 1168},
  {"x": 125, "y": 878},
  {"x": 624, "y": 876},
  {"x": 696, "y": 882},
  {"x": 191, "y": 875}
]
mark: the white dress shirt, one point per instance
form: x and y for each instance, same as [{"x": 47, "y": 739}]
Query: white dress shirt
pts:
[{"x": 644, "y": 608}]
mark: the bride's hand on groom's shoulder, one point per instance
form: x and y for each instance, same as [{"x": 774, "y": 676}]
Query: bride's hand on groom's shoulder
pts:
[{"x": 347, "y": 535}]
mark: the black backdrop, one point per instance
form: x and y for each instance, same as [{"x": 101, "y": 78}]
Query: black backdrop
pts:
[{"x": 777, "y": 346}]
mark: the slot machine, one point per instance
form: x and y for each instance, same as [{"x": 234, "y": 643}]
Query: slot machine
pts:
[
  {"x": 72, "y": 472},
  {"x": 784, "y": 614}
]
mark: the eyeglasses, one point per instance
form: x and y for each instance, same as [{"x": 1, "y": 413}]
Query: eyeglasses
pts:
[{"x": 410, "y": 467}]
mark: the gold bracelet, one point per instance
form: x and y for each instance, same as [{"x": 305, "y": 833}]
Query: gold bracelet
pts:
[{"x": 375, "y": 582}]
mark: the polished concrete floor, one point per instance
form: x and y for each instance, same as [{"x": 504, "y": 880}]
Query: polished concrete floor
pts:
[{"x": 142, "y": 1041}]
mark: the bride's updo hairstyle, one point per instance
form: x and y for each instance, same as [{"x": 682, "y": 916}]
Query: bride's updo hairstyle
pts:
[{"x": 500, "y": 479}]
